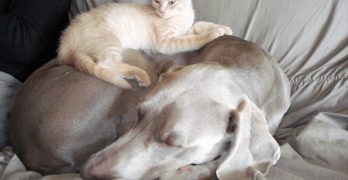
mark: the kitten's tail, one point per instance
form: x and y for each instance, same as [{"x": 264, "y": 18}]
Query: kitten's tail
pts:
[{"x": 86, "y": 64}]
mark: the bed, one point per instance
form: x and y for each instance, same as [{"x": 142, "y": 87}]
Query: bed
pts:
[{"x": 309, "y": 39}]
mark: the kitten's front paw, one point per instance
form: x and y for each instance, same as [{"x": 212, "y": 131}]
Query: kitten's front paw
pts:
[
  {"x": 143, "y": 80},
  {"x": 218, "y": 32},
  {"x": 228, "y": 30}
]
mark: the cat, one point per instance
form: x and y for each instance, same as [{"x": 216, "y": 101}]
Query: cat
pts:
[{"x": 95, "y": 40}]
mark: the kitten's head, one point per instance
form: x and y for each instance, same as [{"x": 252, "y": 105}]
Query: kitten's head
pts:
[{"x": 170, "y": 8}]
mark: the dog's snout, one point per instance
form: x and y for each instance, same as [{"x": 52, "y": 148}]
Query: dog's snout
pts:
[{"x": 97, "y": 168}]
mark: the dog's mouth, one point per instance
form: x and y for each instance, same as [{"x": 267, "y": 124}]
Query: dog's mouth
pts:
[
  {"x": 188, "y": 168},
  {"x": 185, "y": 169},
  {"x": 181, "y": 170}
]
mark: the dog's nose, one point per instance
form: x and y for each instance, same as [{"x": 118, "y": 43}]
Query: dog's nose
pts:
[{"x": 96, "y": 168}]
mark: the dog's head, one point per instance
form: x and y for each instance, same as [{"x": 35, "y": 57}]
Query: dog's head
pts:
[{"x": 191, "y": 117}]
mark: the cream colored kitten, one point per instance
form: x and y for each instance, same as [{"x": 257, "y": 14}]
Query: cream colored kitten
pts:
[{"x": 95, "y": 40}]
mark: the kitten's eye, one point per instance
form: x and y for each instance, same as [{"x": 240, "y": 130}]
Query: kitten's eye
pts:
[
  {"x": 171, "y": 2},
  {"x": 157, "y": 1}
]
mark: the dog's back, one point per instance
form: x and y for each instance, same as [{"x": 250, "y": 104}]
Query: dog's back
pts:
[{"x": 61, "y": 116}]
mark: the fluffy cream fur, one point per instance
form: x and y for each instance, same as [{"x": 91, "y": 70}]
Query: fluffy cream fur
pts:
[{"x": 95, "y": 40}]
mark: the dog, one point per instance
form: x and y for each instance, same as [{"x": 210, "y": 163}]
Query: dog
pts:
[
  {"x": 224, "y": 105},
  {"x": 61, "y": 116}
]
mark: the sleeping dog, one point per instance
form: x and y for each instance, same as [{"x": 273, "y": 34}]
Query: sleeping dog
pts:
[{"x": 223, "y": 107}]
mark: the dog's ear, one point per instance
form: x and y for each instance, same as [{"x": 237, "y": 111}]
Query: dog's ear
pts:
[
  {"x": 170, "y": 70},
  {"x": 174, "y": 69},
  {"x": 234, "y": 117},
  {"x": 253, "y": 149}
]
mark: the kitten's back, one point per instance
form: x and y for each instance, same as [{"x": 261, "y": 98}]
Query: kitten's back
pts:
[
  {"x": 113, "y": 26},
  {"x": 95, "y": 40}
]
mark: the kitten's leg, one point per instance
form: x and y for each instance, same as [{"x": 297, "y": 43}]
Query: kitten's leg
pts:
[
  {"x": 111, "y": 57},
  {"x": 173, "y": 45},
  {"x": 88, "y": 64},
  {"x": 204, "y": 27},
  {"x": 132, "y": 72}
]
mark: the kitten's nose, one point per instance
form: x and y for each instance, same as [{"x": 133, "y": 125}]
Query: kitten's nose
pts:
[{"x": 162, "y": 12}]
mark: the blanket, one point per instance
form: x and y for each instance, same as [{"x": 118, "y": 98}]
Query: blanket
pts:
[{"x": 309, "y": 39}]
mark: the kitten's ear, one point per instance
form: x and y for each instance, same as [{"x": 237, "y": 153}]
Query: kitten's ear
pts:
[{"x": 170, "y": 71}]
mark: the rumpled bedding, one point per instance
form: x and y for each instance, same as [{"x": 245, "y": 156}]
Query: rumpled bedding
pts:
[{"x": 309, "y": 39}]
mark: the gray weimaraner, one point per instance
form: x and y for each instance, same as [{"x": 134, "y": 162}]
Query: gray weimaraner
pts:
[{"x": 223, "y": 106}]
